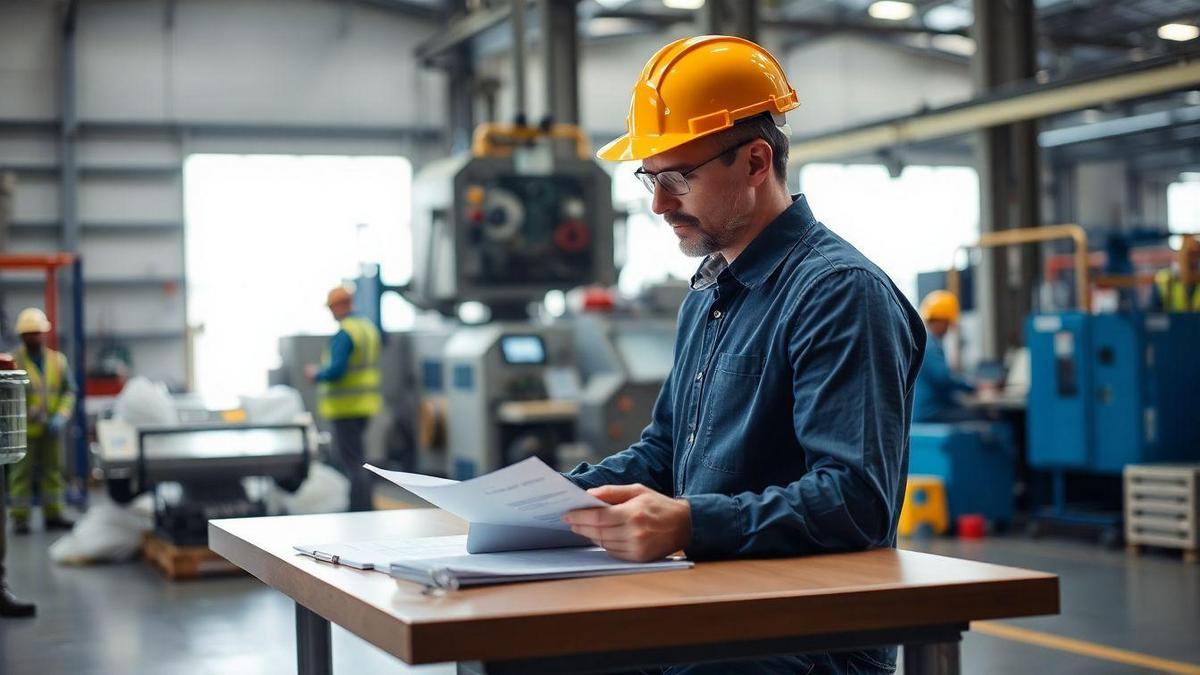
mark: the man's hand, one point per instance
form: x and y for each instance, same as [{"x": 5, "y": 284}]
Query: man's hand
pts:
[
  {"x": 311, "y": 370},
  {"x": 642, "y": 525}
]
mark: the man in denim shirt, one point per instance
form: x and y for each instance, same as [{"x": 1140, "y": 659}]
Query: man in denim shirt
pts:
[{"x": 782, "y": 429}]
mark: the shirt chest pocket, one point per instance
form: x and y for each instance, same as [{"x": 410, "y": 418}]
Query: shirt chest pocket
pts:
[{"x": 733, "y": 392}]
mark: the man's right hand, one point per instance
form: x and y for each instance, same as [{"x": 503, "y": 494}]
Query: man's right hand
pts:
[{"x": 310, "y": 371}]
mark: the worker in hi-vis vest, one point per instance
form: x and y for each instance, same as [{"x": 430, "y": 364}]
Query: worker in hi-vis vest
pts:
[
  {"x": 348, "y": 391},
  {"x": 1170, "y": 294},
  {"x": 49, "y": 402}
]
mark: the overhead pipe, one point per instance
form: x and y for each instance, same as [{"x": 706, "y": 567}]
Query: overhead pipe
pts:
[{"x": 1033, "y": 235}]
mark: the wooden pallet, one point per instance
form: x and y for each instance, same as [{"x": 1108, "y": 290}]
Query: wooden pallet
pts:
[
  {"x": 1190, "y": 555},
  {"x": 184, "y": 562}
]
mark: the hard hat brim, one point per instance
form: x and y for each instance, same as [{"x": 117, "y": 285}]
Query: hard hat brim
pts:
[{"x": 628, "y": 148}]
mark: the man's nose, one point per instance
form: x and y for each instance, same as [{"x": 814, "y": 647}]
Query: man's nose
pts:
[{"x": 663, "y": 201}]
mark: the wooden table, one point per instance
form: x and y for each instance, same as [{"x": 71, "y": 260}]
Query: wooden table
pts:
[{"x": 715, "y": 611}]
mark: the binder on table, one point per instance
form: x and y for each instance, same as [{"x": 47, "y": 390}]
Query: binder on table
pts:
[{"x": 453, "y": 572}]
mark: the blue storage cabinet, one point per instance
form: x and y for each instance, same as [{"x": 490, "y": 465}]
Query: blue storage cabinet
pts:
[
  {"x": 1108, "y": 390},
  {"x": 975, "y": 460}
]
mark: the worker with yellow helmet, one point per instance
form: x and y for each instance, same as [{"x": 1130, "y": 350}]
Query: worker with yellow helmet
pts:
[
  {"x": 782, "y": 428},
  {"x": 938, "y": 385},
  {"x": 49, "y": 401},
  {"x": 348, "y": 391}
]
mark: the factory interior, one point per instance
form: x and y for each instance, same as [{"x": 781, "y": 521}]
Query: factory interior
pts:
[{"x": 247, "y": 246}]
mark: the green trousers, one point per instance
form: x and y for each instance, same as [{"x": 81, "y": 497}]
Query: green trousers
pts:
[{"x": 45, "y": 453}]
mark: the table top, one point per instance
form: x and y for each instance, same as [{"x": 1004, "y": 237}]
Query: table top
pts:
[{"x": 713, "y": 602}]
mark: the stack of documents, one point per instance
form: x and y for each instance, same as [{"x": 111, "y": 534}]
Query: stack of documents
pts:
[{"x": 516, "y": 533}]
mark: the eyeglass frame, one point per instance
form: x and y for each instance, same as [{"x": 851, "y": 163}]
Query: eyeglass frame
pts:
[{"x": 653, "y": 176}]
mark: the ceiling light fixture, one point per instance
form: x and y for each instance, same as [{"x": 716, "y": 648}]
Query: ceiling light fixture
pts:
[
  {"x": 684, "y": 4},
  {"x": 891, "y": 10},
  {"x": 1179, "y": 32}
]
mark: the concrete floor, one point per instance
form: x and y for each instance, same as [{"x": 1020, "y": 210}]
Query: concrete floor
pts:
[{"x": 127, "y": 619}]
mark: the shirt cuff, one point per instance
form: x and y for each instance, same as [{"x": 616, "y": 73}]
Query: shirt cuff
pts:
[
  {"x": 578, "y": 478},
  {"x": 716, "y": 526}
]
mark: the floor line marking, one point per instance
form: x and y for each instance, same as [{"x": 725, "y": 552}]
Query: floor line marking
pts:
[{"x": 1083, "y": 647}]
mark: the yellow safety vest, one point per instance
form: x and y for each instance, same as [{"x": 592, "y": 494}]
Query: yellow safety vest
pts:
[
  {"x": 48, "y": 392},
  {"x": 356, "y": 394},
  {"x": 1174, "y": 295}
]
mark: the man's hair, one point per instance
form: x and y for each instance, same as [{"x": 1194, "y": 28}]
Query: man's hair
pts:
[{"x": 760, "y": 126}]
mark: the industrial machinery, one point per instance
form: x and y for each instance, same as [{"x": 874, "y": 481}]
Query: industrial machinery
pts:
[
  {"x": 624, "y": 360},
  {"x": 515, "y": 219},
  {"x": 526, "y": 213},
  {"x": 197, "y": 472},
  {"x": 1112, "y": 389},
  {"x": 12, "y": 412},
  {"x": 512, "y": 394}
]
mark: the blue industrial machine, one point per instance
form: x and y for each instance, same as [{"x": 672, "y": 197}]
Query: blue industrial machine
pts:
[
  {"x": 975, "y": 461},
  {"x": 1109, "y": 390}
]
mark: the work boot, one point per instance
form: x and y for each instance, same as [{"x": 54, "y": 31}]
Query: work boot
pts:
[
  {"x": 12, "y": 607},
  {"x": 57, "y": 522},
  {"x": 21, "y": 526}
]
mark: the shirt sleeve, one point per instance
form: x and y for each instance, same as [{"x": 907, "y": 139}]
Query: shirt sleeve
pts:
[
  {"x": 340, "y": 347},
  {"x": 647, "y": 462},
  {"x": 854, "y": 357}
]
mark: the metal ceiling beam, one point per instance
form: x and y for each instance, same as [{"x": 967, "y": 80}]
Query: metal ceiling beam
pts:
[
  {"x": 460, "y": 31},
  {"x": 1034, "y": 102},
  {"x": 1123, "y": 126},
  {"x": 669, "y": 17},
  {"x": 418, "y": 10}
]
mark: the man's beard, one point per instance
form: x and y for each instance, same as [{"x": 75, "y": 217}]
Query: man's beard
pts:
[{"x": 706, "y": 241}]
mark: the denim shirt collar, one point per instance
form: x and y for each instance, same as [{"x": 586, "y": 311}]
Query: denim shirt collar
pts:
[
  {"x": 763, "y": 255},
  {"x": 773, "y": 244}
]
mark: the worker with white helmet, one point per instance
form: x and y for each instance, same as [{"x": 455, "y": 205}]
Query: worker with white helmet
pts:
[
  {"x": 937, "y": 384},
  {"x": 50, "y": 401},
  {"x": 348, "y": 391},
  {"x": 782, "y": 428}
]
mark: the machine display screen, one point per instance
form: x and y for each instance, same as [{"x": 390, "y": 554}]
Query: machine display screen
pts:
[{"x": 523, "y": 349}]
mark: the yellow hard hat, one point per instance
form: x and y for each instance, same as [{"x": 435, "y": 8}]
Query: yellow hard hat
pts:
[
  {"x": 32, "y": 320},
  {"x": 940, "y": 305},
  {"x": 698, "y": 86},
  {"x": 339, "y": 294}
]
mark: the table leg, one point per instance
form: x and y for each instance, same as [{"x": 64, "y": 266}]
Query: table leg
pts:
[
  {"x": 934, "y": 658},
  {"x": 313, "y": 653}
]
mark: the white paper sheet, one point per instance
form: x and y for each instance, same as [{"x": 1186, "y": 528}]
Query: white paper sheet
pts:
[
  {"x": 528, "y": 494},
  {"x": 378, "y": 554}
]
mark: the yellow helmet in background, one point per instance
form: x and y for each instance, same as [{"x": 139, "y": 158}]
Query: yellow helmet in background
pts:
[
  {"x": 32, "y": 320},
  {"x": 698, "y": 86},
  {"x": 940, "y": 305}
]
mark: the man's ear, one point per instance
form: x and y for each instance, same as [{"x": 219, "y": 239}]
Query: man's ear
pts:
[{"x": 761, "y": 158}]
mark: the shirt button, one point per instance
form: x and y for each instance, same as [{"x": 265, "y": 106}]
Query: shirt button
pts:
[
  {"x": 700, "y": 376},
  {"x": 716, "y": 314},
  {"x": 691, "y": 438}
]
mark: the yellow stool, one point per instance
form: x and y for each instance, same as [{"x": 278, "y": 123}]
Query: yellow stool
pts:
[{"x": 924, "y": 504}]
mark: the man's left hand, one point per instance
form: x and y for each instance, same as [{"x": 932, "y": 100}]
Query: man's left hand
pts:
[{"x": 641, "y": 525}]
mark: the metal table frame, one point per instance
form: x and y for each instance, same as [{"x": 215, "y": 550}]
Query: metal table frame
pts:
[{"x": 928, "y": 650}]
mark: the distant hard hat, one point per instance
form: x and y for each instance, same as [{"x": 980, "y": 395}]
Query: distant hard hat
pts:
[
  {"x": 698, "y": 86},
  {"x": 338, "y": 295},
  {"x": 940, "y": 305},
  {"x": 32, "y": 320}
]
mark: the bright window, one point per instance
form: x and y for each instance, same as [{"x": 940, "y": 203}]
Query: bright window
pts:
[
  {"x": 1183, "y": 205},
  {"x": 267, "y": 237},
  {"x": 906, "y": 225}
]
